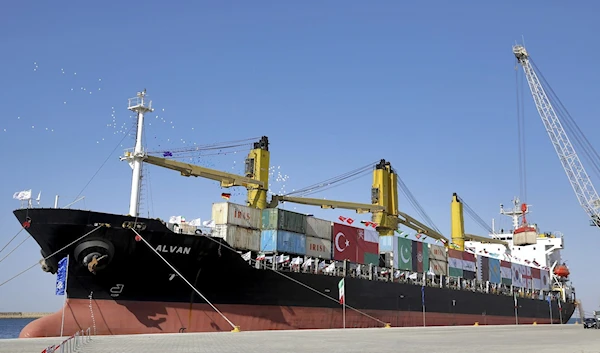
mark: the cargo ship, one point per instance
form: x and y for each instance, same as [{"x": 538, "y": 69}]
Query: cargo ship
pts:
[{"x": 260, "y": 267}]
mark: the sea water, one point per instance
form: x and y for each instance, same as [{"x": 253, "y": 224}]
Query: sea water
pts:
[{"x": 10, "y": 328}]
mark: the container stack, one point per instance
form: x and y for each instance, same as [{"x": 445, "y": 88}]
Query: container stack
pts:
[
  {"x": 318, "y": 238},
  {"x": 283, "y": 231},
  {"x": 239, "y": 225}
]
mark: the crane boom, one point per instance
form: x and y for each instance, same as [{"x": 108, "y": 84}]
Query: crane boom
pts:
[
  {"x": 256, "y": 180},
  {"x": 383, "y": 206},
  {"x": 186, "y": 169},
  {"x": 359, "y": 207},
  {"x": 578, "y": 177}
]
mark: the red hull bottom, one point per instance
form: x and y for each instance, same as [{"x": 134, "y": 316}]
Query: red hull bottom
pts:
[{"x": 112, "y": 318}]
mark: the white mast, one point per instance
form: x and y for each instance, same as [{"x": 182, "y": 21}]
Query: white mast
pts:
[
  {"x": 137, "y": 105},
  {"x": 515, "y": 213}
]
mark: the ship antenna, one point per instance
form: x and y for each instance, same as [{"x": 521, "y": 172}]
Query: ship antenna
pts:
[{"x": 139, "y": 105}]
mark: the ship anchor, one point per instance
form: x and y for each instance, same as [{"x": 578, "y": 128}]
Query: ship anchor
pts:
[{"x": 94, "y": 262}]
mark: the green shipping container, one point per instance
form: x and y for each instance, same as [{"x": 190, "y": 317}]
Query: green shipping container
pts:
[{"x": 276, "y": 218}]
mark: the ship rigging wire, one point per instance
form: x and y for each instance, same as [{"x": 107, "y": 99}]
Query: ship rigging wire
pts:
[
  {"x": 103, "y": 163},
  {"x": 303, "y": 284},
  {"x": 54, "y": 253},
  {"x": 185, "y": 280}
]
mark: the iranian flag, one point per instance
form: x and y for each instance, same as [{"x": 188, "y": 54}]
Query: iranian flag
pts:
[{"x": 341, "y": 291}]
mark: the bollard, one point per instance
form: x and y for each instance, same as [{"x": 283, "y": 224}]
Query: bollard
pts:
[{"x": 476, "y": 323}]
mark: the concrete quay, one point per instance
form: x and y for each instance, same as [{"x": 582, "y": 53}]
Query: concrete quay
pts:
[{"x": 490, "y": 339}]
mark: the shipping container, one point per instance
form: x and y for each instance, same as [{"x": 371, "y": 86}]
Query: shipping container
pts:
[
  {"x": 386, "y": 244},
  {"x": 438, "y": 267},
  {"x": 238, "y": 237},
  {"x": 437, "y": 252},
  {"x": 283, "y": 241},
  {"x": 318, "y": 228},
  {"x": 276, "y": 218},
  {"x": 527, "y": 237},
  {"x": 239, "y": 215},
  {"x": 318, "y": 247}
]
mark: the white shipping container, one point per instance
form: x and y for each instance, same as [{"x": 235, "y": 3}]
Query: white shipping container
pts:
[
  {"x": 318, "y": 247},
  {"x": 238, "y": 237},
  {"x": 318, "y": 228},
  {"x": 239, "y": 215}
]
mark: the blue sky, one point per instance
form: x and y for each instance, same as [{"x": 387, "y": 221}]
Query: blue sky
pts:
[{"x": 428, "y": 86}]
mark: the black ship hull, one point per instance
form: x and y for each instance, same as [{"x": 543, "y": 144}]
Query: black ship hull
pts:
[{"x": 134, "y": 291}]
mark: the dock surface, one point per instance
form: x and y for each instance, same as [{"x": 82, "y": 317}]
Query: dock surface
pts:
[{"x": 489, "y": 339}]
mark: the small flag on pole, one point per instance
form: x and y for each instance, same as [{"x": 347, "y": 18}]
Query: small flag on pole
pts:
[
  {"x": 423, "y": 295},
  {"x": 341, "y": 291},
  {"x": 61, "y": 276},
  {"x": 226, "y": 196}
]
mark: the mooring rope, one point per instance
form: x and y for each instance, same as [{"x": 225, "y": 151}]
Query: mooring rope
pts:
[
  {"x": 305, "y": 285},
  {"x": 185, "y": 280},
  {"x": 54, "y": 253}
]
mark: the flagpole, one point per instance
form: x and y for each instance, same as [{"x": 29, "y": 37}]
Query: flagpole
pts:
[
  {"x": 516, "y": 314},
  {"x": 423, "y": 302},
  {"x": 344, "y": 310},
  {"x": 62, "y": 323},
  {"x": 550, "y": 305}
]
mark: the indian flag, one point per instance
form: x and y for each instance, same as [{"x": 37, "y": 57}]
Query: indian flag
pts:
[{"x": 341, "y": 291}]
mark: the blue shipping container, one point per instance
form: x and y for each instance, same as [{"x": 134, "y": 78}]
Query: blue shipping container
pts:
[
  {"x": 283, "y": 241},
  {"x": 385, "y": 243}
]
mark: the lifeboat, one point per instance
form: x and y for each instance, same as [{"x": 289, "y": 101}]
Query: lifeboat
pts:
[{"x": 562, "y": 271}]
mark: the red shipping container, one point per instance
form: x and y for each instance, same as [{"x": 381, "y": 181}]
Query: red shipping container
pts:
[{"x": 349, "y": 244}]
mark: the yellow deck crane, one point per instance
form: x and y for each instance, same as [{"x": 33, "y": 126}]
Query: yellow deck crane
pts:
[
  {"x": 256, "y": 179},
  {"x": 383, "y": 206},
  {"x": 458, "y": 227}
]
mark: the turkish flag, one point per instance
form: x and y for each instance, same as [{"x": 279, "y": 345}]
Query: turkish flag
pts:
[
  {"x": 345, "y": 243},
  {"x": 349, "y": 244}
]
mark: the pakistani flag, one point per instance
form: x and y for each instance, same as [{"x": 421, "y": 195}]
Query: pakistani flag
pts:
[{"x": 404, "y": 253}]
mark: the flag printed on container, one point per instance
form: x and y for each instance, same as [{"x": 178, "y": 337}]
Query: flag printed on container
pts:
[
  {"x": 545, "y": 279},
  {"x": 483, "y": 268},
  {"x": 495, "y": 274},
  {"x": 420, "y": 257},
  {"x": 506, "y": 272},
  {"x": 342, "y": 294},
  {"x": 61, "y": 276},
  {"x": 455, "y": 263},
  {"x": 355, "y": 244},
  {"x": 403, "y": 258},
  {"x": 469, "y": 268}
]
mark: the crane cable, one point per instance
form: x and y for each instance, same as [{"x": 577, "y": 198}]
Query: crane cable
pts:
[
  {"x": 415, "y": 204},
  {"x": 521, "y": 133},
  {"x": 573, "y": 129},
  {"x": 328, "y": 183},
  {"x": 210, "y": 146},
  {"x": 476, "y": 217}
]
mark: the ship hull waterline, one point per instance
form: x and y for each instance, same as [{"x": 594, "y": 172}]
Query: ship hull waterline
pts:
[
  {"x": 134, "y": 291},
  {"x": 111, "y": 318}
]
